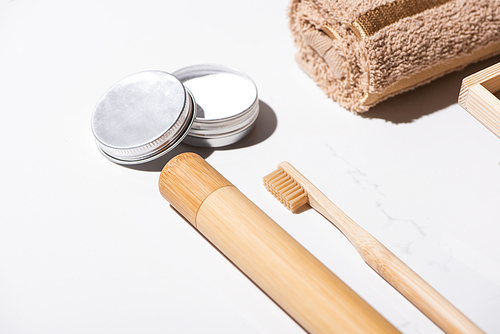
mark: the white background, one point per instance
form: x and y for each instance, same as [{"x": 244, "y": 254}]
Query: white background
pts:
[{"x": 88, "y": 246}]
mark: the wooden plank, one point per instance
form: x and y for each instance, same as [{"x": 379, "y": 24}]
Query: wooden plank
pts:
[{"x": 477, "y": 96}]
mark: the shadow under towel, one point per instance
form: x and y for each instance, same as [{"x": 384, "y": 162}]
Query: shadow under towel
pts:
[{"x": 361, "y": 52}]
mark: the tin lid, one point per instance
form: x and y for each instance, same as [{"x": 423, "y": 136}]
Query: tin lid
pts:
[
  {"x": 147, "y": 114},
  {"x": 142, "y": 117}
]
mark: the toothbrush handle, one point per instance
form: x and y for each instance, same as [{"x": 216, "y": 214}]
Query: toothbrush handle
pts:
[
  {"x": 416, "y": 290},
  {"x": 397, "y": 273}
]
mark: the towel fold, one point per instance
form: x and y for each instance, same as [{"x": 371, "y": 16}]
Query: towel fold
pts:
[{"x": 361, "y": 52}]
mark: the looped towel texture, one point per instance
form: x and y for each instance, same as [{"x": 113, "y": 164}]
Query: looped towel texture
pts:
[{"x": 361, "y": 52}]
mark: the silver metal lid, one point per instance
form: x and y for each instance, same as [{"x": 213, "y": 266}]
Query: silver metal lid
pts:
[
  {"x": 142, "y": 117},
  {"x": 227, "y": 104}
]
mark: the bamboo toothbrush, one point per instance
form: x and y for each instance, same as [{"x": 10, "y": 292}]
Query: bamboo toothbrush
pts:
[{"x": 293, "y": 190}]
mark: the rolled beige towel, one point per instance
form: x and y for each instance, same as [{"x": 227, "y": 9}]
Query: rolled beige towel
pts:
[{"x": 361, "y": 52}]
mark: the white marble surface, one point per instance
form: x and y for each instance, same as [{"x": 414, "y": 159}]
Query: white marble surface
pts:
[{"x": 88, "y": 246}]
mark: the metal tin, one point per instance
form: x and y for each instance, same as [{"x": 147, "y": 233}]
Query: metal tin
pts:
[
  {"x": 147, "y": 114},
  {"x": 227, "y": 104}
]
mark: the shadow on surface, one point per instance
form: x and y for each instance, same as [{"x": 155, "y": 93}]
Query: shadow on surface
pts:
[
  {"x": 264, "y": 127},
  {"x": 426, "y": 99}
]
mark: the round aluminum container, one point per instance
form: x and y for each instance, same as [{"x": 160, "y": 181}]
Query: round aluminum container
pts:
[
  {"x": 147, "y": 114},
  {"x": 227, "y": 104},
  {"x": 142, "y": 117}
]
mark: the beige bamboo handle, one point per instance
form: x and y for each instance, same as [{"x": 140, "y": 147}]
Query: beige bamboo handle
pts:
[
  {"x": 395, "y": 271},
  {"x": 299, "y": 283}
]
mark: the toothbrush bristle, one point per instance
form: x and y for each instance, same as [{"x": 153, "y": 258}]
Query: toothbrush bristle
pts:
[{"x": 285, "y": 189}]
